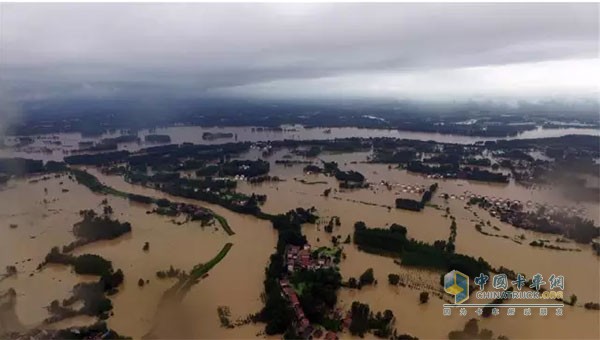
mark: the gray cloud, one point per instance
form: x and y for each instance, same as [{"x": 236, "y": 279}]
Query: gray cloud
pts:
[{"x": 107, "y": 49}]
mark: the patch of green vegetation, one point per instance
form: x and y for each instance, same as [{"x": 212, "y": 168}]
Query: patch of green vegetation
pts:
[
  {"x": 85, "y": 178},
  {"x": 327, "y": 251},
  {"x": 180, "y": 289},
  {"x": 299, "y": 287},
  {"x": 223, "y": 221},
  {"x": 200, "y": 270}
]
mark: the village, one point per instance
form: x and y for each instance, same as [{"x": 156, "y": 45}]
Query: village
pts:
[
  {"x": 544, "y": 218},
  {"x": 299, "y": 258}
]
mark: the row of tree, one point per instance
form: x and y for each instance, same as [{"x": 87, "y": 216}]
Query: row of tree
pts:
[
  {"x": 414, "y": 205},
  {"x": 394, "y": 242}
]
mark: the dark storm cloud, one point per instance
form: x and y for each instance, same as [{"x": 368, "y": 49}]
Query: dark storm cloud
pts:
[{"x": 69, "y": 49}]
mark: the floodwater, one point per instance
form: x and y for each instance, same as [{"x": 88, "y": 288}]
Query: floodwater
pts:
[
  {"x": 237, "y": 281},
  {"x": 180, "y": 246},
  {"x": 430, "y": 225},
  {"x": 43, "y": 147},
  {"x": 39, "y": 226}
]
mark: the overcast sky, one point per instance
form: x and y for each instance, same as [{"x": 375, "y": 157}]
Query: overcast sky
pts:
[{"x": 299, "y": 50}]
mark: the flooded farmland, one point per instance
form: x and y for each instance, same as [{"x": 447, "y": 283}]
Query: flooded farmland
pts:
[
  {"x": 299, "y": 171},
  {"x": 57, "y": 146},
  {"x": 170, "y": 245},
  {"x": 45, "y": 210}
]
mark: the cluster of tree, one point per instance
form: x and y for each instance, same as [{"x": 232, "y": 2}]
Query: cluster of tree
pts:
[
  {"x": 94, "y": 228},
  {"x": 185, "y": 165},
  {"x": 86, "y": 264},
  {"x": 480, "y": 129},
  {"x": 313, "y": 169},
  {"x": 449, "y": 246},
  {"x": 320, "y": 286},
  {"x": 446, "y": 170},
  {"x": 206, "y": 189},
  {"x": 101, "y": 146},
  {"x": 364, "y": 321},
  {"x": 140, "y": 198},
  {"x": 423, "y": 297},
  {"x": 97, "y": 159},
  {"x": 394, "y": 156},
  {"x": 59, "y": 116},
  {"x": 319, "y": 293},
  {"x": 583, "y": 231},
  {"x": 161, "y": 177},
  {"x": 23, "y": 166},
  {"x": 453, "y": 158},
  {"x": 478, "y": 161},
  {"x": 393, "y": 279},
  {"x": 157, "y": 138},
  {"x": 90, "y": 181},
  {"x": 171, "y": 273},
  {"x": 334, "y": 221},
  {"x": 476, "y": 174},
  {"x": 224, "y": 315},
  {"x": 331, "y": 168},
  {"x": 393, "y": 242},
  {"x": 10, "y": 271},
  {"x": 427, "y": 195},
  {"x": 311, "y": 147},
  {"x": 455, "y": 171},
  {"x": 290, "y": 162},
  {"x": 185, "y": 156},
  {"x": 394, "y": 144},
  {"x": 311, "y": 152},
  {"x": 216, "y": 135},
  {"x": 592, "y": 305},
  {"x": 353, "y": 185},
  {"x": 349, "y": 176},
  {"x": 389, "y": 240},
  {"x": 366, "y": 278},
  {"x": 264, "y": 178},
  {"x": 409, "y": 204},
  {"x": 92, "y": 294},
  {"x": 276, "y": 312},
  {"x": 516, "y": 154},
  {"x": 208, "y": 170},
  {"x": 121, "y": 139},
  {"x": 577, "y": 145},
  {"x": 571, "y": 226},
  {"x": 196, "y": 189},
  {"x": 471, "y": 331},
  {"x": 94, "y": 331},
  {"x": 414, "y": 205}
]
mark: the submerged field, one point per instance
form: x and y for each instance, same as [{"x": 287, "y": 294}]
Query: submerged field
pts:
[{"x": 38, "y": 215}]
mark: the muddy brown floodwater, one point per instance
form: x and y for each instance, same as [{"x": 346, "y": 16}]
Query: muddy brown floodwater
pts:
[
  {"x": 581, "y": 269},
  {"x": 235, "y": 282},
  {"x": 44, "y": 220}
]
